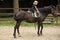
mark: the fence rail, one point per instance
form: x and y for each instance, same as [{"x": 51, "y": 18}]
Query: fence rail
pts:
[
  {"x": 58, "y": 7},
  {"x": 14, "y": 8},
  {"x": 27, "y": 9}
]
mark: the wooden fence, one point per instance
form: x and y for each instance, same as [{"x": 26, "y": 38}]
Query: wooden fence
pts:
[{"x": 51, "y": 19}]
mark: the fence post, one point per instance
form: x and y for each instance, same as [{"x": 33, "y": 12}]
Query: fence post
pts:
[
  {"x": 16, "y": 6},
  {"x": 57, "y": 16},
  {"x": 56, "y": 20}
]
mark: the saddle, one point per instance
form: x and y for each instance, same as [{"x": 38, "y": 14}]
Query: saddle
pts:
[{"x": 35, "y": 14}]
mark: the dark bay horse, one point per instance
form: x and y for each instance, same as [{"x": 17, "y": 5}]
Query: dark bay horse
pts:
[{"x": 27, "y": 16}]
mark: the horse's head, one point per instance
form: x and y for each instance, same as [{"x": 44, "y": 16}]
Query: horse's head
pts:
[{"x": 53, "y": 9}]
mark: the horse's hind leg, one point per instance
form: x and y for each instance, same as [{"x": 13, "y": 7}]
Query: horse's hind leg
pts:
[{"x": 16, "y": 27}]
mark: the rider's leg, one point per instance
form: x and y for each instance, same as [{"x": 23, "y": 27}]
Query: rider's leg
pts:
[
  {"x": 38, "y": 13},
  {"x": 35, "y": 14}
]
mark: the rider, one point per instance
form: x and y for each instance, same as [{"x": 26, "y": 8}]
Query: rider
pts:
[{"x": 34, "y": 8}]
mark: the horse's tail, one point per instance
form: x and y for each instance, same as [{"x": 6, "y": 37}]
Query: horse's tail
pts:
[{"x": 14, "y": 16}]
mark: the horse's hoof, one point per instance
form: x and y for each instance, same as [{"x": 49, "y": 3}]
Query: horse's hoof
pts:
[
  {"x": 14, "y": 36},
  {"x": 38, "y": 34},
  {"x": 19, "y": 35},
  {"x": 41, "y": 34}
]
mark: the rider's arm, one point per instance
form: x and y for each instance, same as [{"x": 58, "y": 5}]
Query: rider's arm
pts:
[{"x": 36, "y": 8}]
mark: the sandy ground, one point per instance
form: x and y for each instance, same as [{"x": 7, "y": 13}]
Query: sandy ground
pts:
[{"x": 30, "y": 33}]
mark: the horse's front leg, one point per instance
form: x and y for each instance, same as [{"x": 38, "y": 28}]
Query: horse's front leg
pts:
[
  {"x": 41, "y": 28},
  {"x": 38, "y": 29},
  {"x": 14, "y": 34},
  {"x": 18, "y": 29}
]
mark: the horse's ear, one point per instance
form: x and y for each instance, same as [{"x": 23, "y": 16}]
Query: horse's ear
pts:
[{"x": 53, "y": 6}]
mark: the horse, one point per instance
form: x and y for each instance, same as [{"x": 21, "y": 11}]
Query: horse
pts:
[{"x": 27, "y": 17}]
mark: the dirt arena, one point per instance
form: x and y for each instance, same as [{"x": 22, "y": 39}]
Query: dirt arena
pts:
[{"x": 30, "y": 33}]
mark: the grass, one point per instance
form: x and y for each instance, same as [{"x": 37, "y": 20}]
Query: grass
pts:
[
  {"x": 7, "y": 23},
  {"x": 11, "y": 22}
]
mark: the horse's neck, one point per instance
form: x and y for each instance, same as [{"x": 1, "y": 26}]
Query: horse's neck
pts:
[{"x": 43, "y": 16}]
